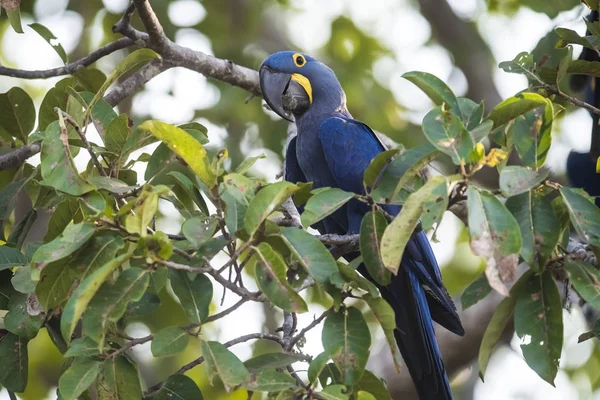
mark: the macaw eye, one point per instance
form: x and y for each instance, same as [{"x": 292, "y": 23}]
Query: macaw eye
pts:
[{"x": 299, "y": 60}]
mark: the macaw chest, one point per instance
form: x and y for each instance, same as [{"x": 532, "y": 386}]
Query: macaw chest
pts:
[{"x": 312, "y": 161}]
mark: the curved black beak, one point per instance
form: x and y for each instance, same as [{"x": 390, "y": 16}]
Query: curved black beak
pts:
[{"x": 285, "y": 96}]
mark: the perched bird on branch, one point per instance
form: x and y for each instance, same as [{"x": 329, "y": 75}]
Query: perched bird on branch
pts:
[{"x": 332, "y": 149}]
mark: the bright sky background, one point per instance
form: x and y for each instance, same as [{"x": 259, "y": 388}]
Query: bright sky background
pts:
[{"x": 407, "y": 33}]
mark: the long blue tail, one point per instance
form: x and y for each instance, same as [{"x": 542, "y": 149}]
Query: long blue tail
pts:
[
  {"x": 418, "y": 298},
  {"x": 415, "y": 336}
]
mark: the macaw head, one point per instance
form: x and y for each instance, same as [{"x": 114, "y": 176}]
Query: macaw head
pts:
[{"x": 292, "y": 83}]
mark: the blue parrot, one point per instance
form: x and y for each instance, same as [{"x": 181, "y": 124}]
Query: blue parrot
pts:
[
  {"x": 581, "y": 167},
  {"x": 332, "y": 149}
]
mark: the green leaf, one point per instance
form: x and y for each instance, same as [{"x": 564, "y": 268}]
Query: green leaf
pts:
[
  {"x": 72, "y": 238},
  {"x": 399, "y": 232},
  {"x": 222, "y": 363},
  {"x": 532, "y": 135},
  {"x": 22, "y": 281},
  {"x": 270, "y": 361},
  {"x": 377, "y": 164},
  {"x": 522, "y": 64},
  {"x": 405, "y": 167},
  {"x": 90, "y": 79},
  {"x": 324, "y": 203},
  {"x": 10, "y": 257},
  {"x": 119, "y": 379},
  {"x": 494, "y": 330},
  {"x": 93, "y": 204},
  {"x": 569, "y": 36},
  {"x": 51, "y": 39},
  {"x": 18, "y": 320},
  {"x": 584, "y": 214},
  {"x": 8, "y": 197},
  {"x": 371, "y": 231},
  {"x": 14, "y": 362},
  {"x": 563, "y": 65},
  {"x": 271, "y": 280},
  {"x": 111, "y": 185},
  {"x": 346, "y": 334},
  {"x": 185, "y": 146},
  {"x": 334, "y": 392},
  {"x": 269, "y": 381},
  {"x": 146, "y": 305},
  {"x": 515, "y": 179},
  {"x": 102, "y": 113},
  {"x": 17, "y": 114},
  {"x": 495, "y": 235},
  {"x": 84, "y": 293},
  {"x": 472, "y": 114},
  {"x": 188, "y": 186},
  {"x": 198, "y": 231},
  {"x": 178, "y": 387},
  {"x": 131, "y": 61},
  {"x": 194, "y": 295},
  {"x": 311, "y": 253},
  {"x": 61, "y": 217},
  {"x": 387, "y": 319},
  {"x": 435, "y": 88},
  {"x": 586, "y": 280},
  {"x": 145, "y": 209},
  {"x": 265, "y": 202},
  {"x": 110, "y": 303},
  {"x": 316, "y": 367},
  {"x": 356, "y": 280},
  {"x": 14, "y": 17},
  {"x": 517, "y": 105},
  {"x": 80, "y": 375},
  {"x": 21, "y": 230},
  {"x": 235, "y": 212},
  {"x": 539, "y": 324},
  {"x": 117, "y": 134},
  {"x": 59, "y": 279},
  {"x": 447, "y": 133},
  {"x": 169, "y": 341},
  {"x": 540, "y": 229},
  {"x": 82, "y": 347},
  {"x": 372, "y": 384},
  {"x": 476, "y": 291},
  {"x": 58, "y": 168},
  {"x": 248, "y": 163}
]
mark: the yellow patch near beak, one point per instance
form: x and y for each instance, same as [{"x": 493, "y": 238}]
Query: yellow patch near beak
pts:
[{"x": 305, "y": 83}]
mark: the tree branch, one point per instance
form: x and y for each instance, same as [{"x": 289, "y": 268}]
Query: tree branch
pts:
[
  {"x": 18, "y": 156},
  {"x": 155, "y": 30},
  {"x": 70, "y": 68}
]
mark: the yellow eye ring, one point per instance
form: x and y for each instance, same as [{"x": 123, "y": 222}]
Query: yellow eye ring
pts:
[{"x": 299, "y": 60}]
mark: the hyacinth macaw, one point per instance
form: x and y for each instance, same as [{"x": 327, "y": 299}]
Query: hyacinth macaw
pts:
[
  {"x": 333, "y": 149},
  {"x": 581, "y": 167}
]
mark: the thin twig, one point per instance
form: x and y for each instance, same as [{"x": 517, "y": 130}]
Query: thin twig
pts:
[
  {"x": 315, "y": 322},
  {"x": 233, "y": 342},
  {"x": 86, "y": 144},
  {"x": 225, "y": 312},
  {"x": 130, "y": 344},
  {"x": 72, "y": 67},
  {"x": 571, "y": 99}
]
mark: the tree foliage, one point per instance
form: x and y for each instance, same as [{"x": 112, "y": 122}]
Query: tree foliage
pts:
[{"x": 103, "y": 263}]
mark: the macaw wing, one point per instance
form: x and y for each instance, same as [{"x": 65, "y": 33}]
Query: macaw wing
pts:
[
  {"x": 292, "y": 172},
  {"x": 349, "y": 146}
]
